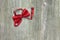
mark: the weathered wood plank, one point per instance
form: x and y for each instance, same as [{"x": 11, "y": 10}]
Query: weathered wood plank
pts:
[{"x": 44, "y": 26}]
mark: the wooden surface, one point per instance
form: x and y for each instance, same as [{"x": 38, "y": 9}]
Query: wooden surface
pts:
[{"x": 44, "y": 26}]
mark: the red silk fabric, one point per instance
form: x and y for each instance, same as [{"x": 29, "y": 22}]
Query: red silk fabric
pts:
[{"x": 17, "y": 18}]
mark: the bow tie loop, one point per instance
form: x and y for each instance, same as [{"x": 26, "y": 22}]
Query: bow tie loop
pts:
[{"x": 25, "y": 13}]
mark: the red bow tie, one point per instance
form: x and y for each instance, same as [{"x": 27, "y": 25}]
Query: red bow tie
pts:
[{"x": 17, "y": 18}]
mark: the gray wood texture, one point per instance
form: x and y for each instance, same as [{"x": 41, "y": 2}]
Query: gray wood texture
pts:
[{"x": 44, "y": 26}]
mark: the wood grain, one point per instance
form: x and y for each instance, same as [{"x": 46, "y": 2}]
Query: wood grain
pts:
[{"x": 44, "y": 26}]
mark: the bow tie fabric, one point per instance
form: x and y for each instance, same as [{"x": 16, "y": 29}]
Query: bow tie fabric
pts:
[{"x": 17, "y": 18}]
